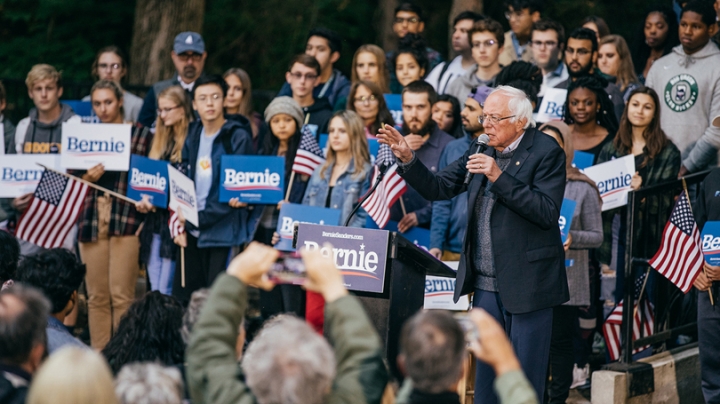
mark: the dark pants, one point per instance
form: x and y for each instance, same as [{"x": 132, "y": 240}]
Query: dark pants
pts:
[
  {"x": 529, "y": 334},
  {"x": 708, "y": 321},
  {"x": 564, "y": 329},
  {"x": 202, "y": 266}
]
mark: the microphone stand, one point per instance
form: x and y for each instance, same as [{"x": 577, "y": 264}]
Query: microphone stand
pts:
[{"x": 378, "y": 180}]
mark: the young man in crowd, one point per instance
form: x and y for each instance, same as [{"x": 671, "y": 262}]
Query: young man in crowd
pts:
[
  {"x": 449, "y": 218},
  {"x": 304, "y": 71},
  {"x": 324, "y": 45},
  {"x": 686, "y": 77},
  {"x": 57, "y": 273},
  {"x": 188, "y": 57},
  {"x": 581, "y": 53},
  {"x": 486, "y": 39},
  {"x": 521, "y": 15},
  {"x": 428, "y": 141},
  {"x": 23, "y": 316},
  {"x": 444, "y": 73},
  {"x": 547, "y": 41},
  {"x": 220, "y": 226}
]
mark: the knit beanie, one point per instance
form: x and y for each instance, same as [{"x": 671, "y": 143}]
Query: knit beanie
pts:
[{"x": 285, "y": 105}]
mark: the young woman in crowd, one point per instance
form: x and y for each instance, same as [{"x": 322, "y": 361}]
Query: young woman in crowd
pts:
[
  {"x": 657, "y": 36},
  {"x": 157, "y": 249},
  {"x": 111, "y": 64},
  {"x": 590, "y": 115},
  {"x": 238, "y": 103},
  {"x": 598, "y": 25},
  {"x": 411, "y": 62},
  {"x": 615, "y": 61},
  {"x": 585, "y": 233},
  {"x": 446, "y": 113},
  {"x": 369, "y": 64},
  {"x": 657, "y": 160},
  {"x": 149, "y": 332},
  {"x": 339, "y": 184},
  {"x": 367, "y": 100},
  {"x": 108, "y": 226}
]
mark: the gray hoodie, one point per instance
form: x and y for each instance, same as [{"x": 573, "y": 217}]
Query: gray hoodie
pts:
[
  {"x": 35, "y": 137},
  {"x": 461, "y": 86},
  {"x": 689, "y": 91}
]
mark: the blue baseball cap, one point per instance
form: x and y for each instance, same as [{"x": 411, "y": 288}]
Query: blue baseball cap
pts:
[
  {"x": 189, "y": 41},
  {"x": 480, "y": 94}
]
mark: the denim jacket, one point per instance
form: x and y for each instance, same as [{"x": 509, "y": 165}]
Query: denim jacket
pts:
[{"x": 345, "y": 195}]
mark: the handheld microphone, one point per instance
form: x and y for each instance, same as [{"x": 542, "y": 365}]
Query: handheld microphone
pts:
[{"x": 482, "y": 142}]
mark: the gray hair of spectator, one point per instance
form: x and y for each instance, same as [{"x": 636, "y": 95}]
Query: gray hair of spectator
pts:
[
  {"x": 192, "y": 313},
  {"x": 149, "y": 383},
  {"x": 288, "y": 362},
  {"x": 518, "y": 104},
  {"x": 23, "y": 318},
  {"x": 73, "y": 375},
  {"x": 433, "y": 344}
]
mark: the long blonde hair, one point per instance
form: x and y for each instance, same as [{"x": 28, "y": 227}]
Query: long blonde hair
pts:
[
  {"x": 383, "y": 72},
  {"x": 358, "y": 143},
  {"x": 177, "y": 132},
  {"x": 626, "y": 70},
  {"x": 73, "y": 375}
]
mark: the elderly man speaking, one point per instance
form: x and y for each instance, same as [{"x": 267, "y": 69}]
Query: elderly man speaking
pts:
[{"x": 513, "y": 257}]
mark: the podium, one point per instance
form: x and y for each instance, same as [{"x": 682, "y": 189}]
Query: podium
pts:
[{"x": 393, "y": 297}]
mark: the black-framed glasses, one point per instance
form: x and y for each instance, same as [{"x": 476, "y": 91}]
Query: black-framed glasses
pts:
[
  {"x": 544, "y": 44},
  {"x": 492, "y": 119},
  {"x": 161, "y": 111},
  {"x": 184, "y": 57},
  {"x": 300, "y": 76},
  {"x": 411, "y": 20}
]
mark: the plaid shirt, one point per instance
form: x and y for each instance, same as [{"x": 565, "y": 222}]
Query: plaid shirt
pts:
[{"x": 124, "y": 219}]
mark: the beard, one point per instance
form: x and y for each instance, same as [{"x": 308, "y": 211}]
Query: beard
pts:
[
  {"x": 426, "y": 128},
  {"x": 189, "y": 72},
  {"x": 584, "y": 71}
]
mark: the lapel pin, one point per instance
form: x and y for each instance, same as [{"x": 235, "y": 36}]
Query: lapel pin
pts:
[{"x": 517, "y": 163}]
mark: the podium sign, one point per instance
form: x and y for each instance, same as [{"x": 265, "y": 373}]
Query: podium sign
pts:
[{"x": 360, "y": 254}]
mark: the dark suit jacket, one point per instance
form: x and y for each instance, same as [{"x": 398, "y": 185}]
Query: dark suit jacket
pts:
[{"x": 529, "y": 257}]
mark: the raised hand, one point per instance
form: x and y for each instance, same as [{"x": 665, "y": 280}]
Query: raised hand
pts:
[{"x": 391, "y": 137}]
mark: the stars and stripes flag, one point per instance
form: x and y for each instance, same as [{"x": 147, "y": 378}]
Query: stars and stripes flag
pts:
[
  {"x": 642, "y": 324},
  {"x": 309, "y": 156},
  {"x": 390, "y": 189},
  {"x": 53, "y": 210},
  {"x": 680, "y": 257},
  {"x": 176, "y": 228}
]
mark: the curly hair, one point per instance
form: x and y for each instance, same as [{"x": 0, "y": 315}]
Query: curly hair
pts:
[
  {"x": 57, "y": 273},
  {"x": 415, "y": 46},
  {"x": 9, "y": 256},
  {"x": 521, "y": 75},
  {"x": 148, "y": 332},
  {"x": 606, "y": 115}
]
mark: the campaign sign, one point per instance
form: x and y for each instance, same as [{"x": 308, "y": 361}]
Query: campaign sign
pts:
[
  {"x": 567, "y": 210},
  {"x": 291, "y": 213},
  {"x": 252, "y": 179},
  {"x": 20, "y": 173},
  {"x": 711, "y": 243},
  {"x": 394, "y": 104},
  {"x": 613, "y": 180},
  {"x": 552, "y": 105},
  {"x": 182, "y": 195},
  {"x": 148, "y": 178},
  {"x": 439, "y": 292},
  {"x": 86, "y": 145},
  {"x": 582, "y": 160},
  {"x": 419, "y": 236},
  {"x": 360, "y": 254},
  {"x": 373, "y": 145},
  {"x": 84, "y": 110}
]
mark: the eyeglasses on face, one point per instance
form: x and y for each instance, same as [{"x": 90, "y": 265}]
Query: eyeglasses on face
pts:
[
  {"x": 184, "y": 57},
  {"x": 544, "y": 44},
  {"x": 493, "y": 119},
  {"x": 214, "y": 97},
  {"x": 300, "y": 76},
  {"x": 411, "y": 20},
  {"x": 109, "y": 66},
  {"x": 161, "y": 111},
  {"x": 487, "y": 44},
  {"x": 366, "y": 99}
]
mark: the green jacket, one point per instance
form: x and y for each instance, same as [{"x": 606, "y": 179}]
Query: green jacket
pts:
[{"x": 214, "y": 377}]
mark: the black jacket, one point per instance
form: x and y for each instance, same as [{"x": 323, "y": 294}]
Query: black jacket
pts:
[
  {"x": 707, "y": 208},
  {"x": 14, "y": 384},
  {"x": 318, "y": 116},
  {"x": 529, "y": 257}
]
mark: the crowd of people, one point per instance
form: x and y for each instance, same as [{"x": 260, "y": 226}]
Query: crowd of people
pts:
[{"x": 224, "y": 333}]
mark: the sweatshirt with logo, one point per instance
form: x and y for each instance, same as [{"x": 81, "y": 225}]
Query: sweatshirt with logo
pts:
[
  {"x": 35, "y": 137},
  {"x": 689, "y": 91}
]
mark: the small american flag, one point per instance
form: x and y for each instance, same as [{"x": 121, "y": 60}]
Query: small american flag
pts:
[
  {"x": 176, "y": 228},
  {"x": 390, "y": 189},
  {"x": 680, "y": 257},
  {"x": 53, "y": 210},
  {"x": 309, "y": 156},
  {"x": 643, "y": 324}
]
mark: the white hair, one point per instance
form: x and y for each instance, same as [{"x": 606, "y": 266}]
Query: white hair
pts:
[
  {"x": 149, "y": 383},
  {"x": 288, "y": 362},
  {"x": 518, "y": 104}
]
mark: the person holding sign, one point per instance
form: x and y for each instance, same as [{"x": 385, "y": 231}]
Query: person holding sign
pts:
[
  {"x": 220, "y": 226},
  {"x": 585, "y": 233},
  {"x": 108, "y": 226},
  {"x": 657, "y": 160},
  {"x": 157, "y": 250}
]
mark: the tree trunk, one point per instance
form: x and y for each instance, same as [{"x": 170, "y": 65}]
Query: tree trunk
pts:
[
  {"x": 387, "y": 37},
  {"x": 458, "y": 6},
  {"x": 157, "y": 22}
]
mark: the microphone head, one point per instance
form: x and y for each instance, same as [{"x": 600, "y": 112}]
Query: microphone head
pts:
[{"x": 483, "y": 139}]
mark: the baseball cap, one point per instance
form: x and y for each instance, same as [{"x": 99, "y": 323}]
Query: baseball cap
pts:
[
  {"x": 189, "y": 41},
  {"x": 480, "y": 94}
]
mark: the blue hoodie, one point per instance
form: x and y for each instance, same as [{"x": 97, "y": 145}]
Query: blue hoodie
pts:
[
  {"x": 337, "y": 87},
  {"x": 219, "y": 224}
]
